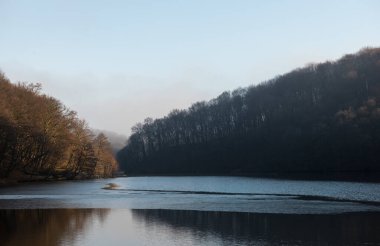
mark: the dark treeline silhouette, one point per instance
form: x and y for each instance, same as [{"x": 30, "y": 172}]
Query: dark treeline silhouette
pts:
[
  {"x": 41, "y": 138},
  {"x": 320, "y": 118}
]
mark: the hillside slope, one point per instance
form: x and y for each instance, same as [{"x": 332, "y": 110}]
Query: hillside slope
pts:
[
  {"x": 320, "y": 118},
  {"x": 40, "y": 138}
]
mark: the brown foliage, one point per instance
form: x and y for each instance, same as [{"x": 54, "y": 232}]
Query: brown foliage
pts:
[{"x": 39, "y": 136}]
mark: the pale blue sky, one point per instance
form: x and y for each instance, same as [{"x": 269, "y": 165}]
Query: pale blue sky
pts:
[{"x": 118, "y": 62}]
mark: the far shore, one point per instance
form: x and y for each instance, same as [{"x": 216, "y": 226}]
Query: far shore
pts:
[
  {"x": 13, "y": 182},
  {"x": 307, "y": 176},
  {"x": 373, "y": 177}
]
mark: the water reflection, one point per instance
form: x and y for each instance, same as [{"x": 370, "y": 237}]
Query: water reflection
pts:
[
  {"x": 47, "y": 226},
  {"x": 273, "y": 229},
  {"x": 178, "y": 227}
]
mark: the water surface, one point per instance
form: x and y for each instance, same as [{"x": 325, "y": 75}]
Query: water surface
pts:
[
  {"x": 191, "y": 211},
  {"x": 50, "y": 227},
  {"x": 232, "y": 194}
]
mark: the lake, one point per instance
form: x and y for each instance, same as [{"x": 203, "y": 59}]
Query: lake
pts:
[{"x": 191, "y": 211}]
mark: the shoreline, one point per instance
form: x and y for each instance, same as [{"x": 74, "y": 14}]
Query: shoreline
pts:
[
  {"x": 14, "y": 182},
  {"x": 373, "y": 177}
]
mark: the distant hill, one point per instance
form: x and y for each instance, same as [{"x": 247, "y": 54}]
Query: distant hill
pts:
[
  {"x": 117, "y": 141},
  {"x": 320, "y": 118}
]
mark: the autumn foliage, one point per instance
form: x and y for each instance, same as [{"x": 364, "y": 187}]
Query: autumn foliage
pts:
[{"x": 40, "y": 137}]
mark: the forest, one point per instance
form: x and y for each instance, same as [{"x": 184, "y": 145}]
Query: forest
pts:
[
  {"x": 40, "y": 138},
  {"x": 320, "y": 118}
]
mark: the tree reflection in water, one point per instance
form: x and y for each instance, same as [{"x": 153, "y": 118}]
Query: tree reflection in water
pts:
[
  {"x": 46, "y": 226},
  {"x": 179, "y": 227},
  {"x": 275, "y": 229}
]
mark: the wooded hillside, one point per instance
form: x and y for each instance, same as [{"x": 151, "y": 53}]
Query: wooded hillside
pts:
[
  {"x": 320, "y": 118},
  {"x": 40, "y": 137}
]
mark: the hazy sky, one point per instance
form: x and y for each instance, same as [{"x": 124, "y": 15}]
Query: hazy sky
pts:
[{"x": 118, "y": 62}]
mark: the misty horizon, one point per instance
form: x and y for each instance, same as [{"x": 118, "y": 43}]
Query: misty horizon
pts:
[
  {"x": 188, "y": 122},
  {"x": 119, "y": 64}
]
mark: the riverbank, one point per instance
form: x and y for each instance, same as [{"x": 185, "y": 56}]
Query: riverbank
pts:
[
  {"x": 12, "y": 182},
  {"x": 373, "y": 177},
  {"x": 20, "y": 178}
]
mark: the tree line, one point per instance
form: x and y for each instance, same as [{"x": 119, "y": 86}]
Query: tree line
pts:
[
  {"x": 40, "y": 137},
  {"x": 319, "y": 118}
]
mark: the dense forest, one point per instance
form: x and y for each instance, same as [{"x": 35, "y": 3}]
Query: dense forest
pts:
[
  {"x": 41, "y": 138},
  {"x": 320, "y": 118}
]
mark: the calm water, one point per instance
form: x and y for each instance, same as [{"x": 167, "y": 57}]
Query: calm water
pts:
[{"x": 191, "y": 211}]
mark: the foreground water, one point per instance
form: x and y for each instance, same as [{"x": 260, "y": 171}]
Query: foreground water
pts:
[{"x": 191, "y": 211}]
